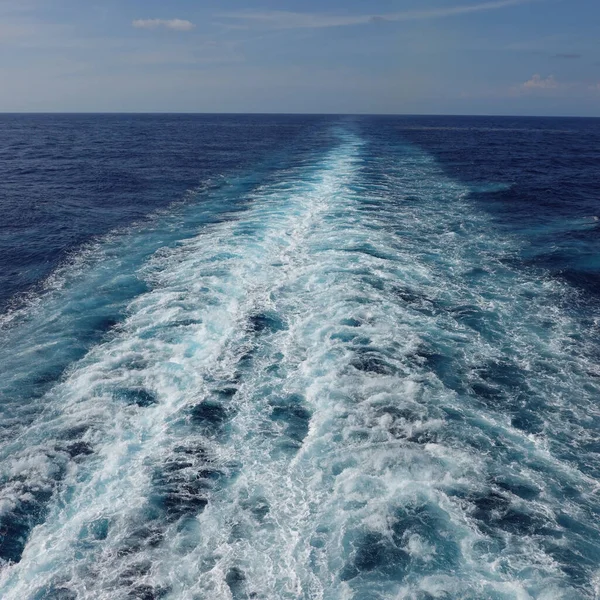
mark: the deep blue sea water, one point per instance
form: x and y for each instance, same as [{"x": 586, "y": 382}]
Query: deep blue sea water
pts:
[{"x": 292, "y": 357}]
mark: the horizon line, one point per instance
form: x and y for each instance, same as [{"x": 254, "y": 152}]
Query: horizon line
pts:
[{"x": 300, "y": 114}]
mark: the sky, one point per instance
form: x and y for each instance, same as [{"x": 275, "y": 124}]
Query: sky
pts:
[{"x": 504, "y": 57}]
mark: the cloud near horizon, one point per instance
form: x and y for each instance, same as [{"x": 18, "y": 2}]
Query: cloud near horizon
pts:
[
  {"x": 296, "y": 20},
  {"x": 174, "y": 24},
  {"x": 537, "y": 82}
]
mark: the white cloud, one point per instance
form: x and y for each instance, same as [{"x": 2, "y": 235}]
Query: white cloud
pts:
[
  {"x": 550, "y": 86},
  {"x": 537, "y": 82},
  {"x": 295, "y": 20},
  {"x": 175, "y": 24}
]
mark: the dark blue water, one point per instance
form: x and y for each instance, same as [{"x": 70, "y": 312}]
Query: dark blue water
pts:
[
  {"x": 299, "y": 357},
  {"x": 69, "y": 178}
]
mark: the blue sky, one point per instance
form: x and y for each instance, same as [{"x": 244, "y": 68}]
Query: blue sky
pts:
[{"x": 529, "y": 57}]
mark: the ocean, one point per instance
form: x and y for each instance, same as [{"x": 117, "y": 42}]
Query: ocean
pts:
[{"x": 299, "y": 357}]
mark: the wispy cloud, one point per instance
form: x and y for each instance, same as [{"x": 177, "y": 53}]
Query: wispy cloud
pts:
[
  {"x": 296, "y": 20},
  {"x": 175, "y": 24},
  {"x": 537, "y": 82},
  {"x": 551, "y": 87},
  {"x": 567, "y": 56}
]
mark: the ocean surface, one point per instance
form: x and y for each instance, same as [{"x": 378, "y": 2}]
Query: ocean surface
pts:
[{"x": 299, "y": 357}]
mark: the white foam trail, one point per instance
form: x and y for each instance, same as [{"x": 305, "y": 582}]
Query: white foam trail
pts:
[{"x": 352, "y": 465}]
